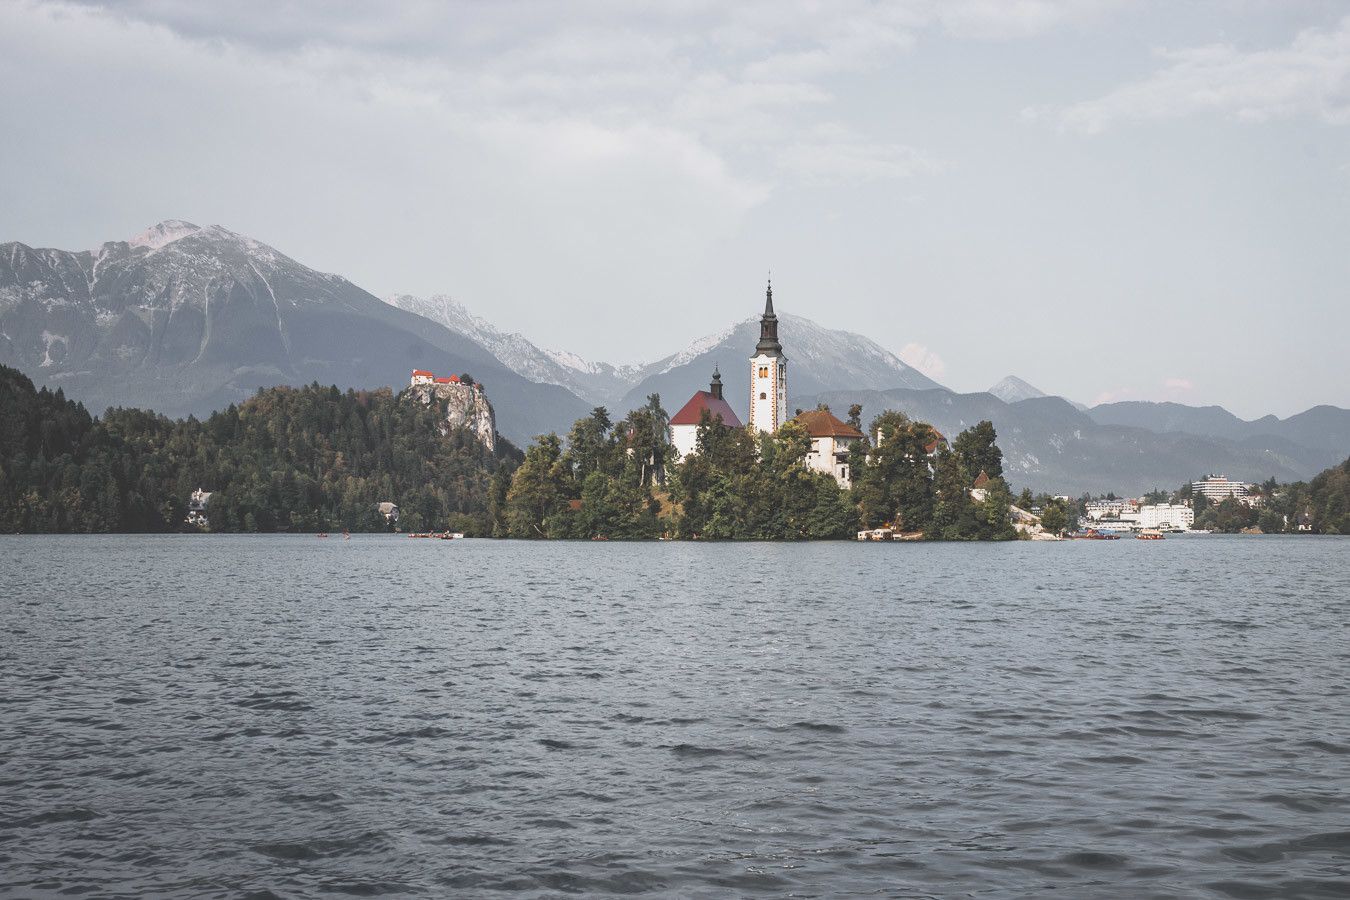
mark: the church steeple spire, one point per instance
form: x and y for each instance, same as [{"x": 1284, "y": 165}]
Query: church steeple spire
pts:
[
  {"x": 768, "y": 372},
  {"x": 768, "y": 326}
]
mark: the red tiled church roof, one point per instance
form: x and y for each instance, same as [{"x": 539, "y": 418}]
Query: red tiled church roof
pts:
[
  {"x": 822, "y": 423},
  {"x": 424, "y": 372},
  {"x": 690, "y": 413},
  {"x": 982, "y": 479}
]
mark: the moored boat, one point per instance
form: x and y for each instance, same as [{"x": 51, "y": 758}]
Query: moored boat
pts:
[{"x": 1093, "y": 534}]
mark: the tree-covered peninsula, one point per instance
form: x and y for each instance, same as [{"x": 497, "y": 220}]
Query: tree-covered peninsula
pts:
[{"x": 288, "y": 459}]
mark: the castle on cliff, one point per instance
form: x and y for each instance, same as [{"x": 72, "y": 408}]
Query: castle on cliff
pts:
[{"x": 466, "y": 403}]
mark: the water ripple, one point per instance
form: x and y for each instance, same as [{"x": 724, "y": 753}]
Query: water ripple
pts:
[{"x": 283, "y": 717}]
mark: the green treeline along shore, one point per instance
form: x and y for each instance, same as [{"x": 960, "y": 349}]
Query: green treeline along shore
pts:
[{"x": 314, "y": 458}]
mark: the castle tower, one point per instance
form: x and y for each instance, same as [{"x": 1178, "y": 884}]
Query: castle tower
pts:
[{"x": 768, "y": 373}]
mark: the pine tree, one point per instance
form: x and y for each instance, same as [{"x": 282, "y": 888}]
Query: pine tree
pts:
[{"x": 979, "y": 451}]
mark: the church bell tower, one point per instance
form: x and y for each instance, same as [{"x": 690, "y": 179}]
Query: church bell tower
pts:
[{"x": 768, "y": 373}]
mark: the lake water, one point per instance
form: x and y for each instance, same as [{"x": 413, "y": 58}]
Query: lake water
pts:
[{"x": 285, "y": 716}]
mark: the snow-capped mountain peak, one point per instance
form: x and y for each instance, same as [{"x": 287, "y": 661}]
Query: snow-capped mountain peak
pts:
[
  {"x": 165, "y": 232},
  {"x": 700, "y": 346},
  {"x": 1013, "y": 389},
  {"x": 569, "y": 360}
]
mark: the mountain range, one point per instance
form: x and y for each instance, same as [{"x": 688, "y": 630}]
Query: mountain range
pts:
[
  {"x": 184, "y": 319},
  {"x": 822, "y": 359},
  {"x": 1049, "y": 444}
]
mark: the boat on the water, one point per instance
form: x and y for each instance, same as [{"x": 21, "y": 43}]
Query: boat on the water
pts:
[
  {"x": 1093, "y": 534},
  {"x": 1149, "y": 534}
]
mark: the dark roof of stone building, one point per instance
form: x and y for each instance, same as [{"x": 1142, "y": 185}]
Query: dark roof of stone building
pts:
[
  {"x": 690, "y": 413},
  {"x": 823, "y": 423}
]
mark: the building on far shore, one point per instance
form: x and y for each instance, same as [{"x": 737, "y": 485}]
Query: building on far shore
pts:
[
  {"x": 831, "y": 442},
  {"x": 1217, "y": 488},
  {"x": 1167, "y": 516},
  {"x": 1122, "y": 508},
  {"x": 197, "y": 503},
  {"x": 684, "y": 424}
]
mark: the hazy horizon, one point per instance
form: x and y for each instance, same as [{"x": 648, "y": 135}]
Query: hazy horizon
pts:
[{"x": 1111, "y": 201}]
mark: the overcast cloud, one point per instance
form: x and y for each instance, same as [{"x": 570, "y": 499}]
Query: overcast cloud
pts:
[{"x": 1106, "y": 199}]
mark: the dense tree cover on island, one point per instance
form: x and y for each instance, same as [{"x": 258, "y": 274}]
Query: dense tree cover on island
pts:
[
  {"x": 301, "y": 459},
  {"x": 620, "y": 481}
]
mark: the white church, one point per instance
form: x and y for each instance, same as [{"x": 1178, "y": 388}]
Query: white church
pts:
[{"x": 831, "y": 439}]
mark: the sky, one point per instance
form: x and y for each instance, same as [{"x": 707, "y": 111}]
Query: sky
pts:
[{"x": 1113, "y": 200}]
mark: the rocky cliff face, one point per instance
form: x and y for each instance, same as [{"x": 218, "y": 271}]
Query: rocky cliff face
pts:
[{"x": 465, "y": 406}]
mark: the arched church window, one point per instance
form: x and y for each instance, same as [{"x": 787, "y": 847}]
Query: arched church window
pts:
[{"x": 763, "y": 396}]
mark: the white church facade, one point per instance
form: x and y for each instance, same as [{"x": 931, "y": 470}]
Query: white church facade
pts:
[{"x": 684, "y": 424}]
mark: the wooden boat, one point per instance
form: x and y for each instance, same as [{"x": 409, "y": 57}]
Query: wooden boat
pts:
[{"x": 1149, "y": 535}]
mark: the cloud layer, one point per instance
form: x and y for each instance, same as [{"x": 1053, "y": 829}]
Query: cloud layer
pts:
[
  {"x": 1310, "y": 77},
  {"x": 615, "y": 178}
]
